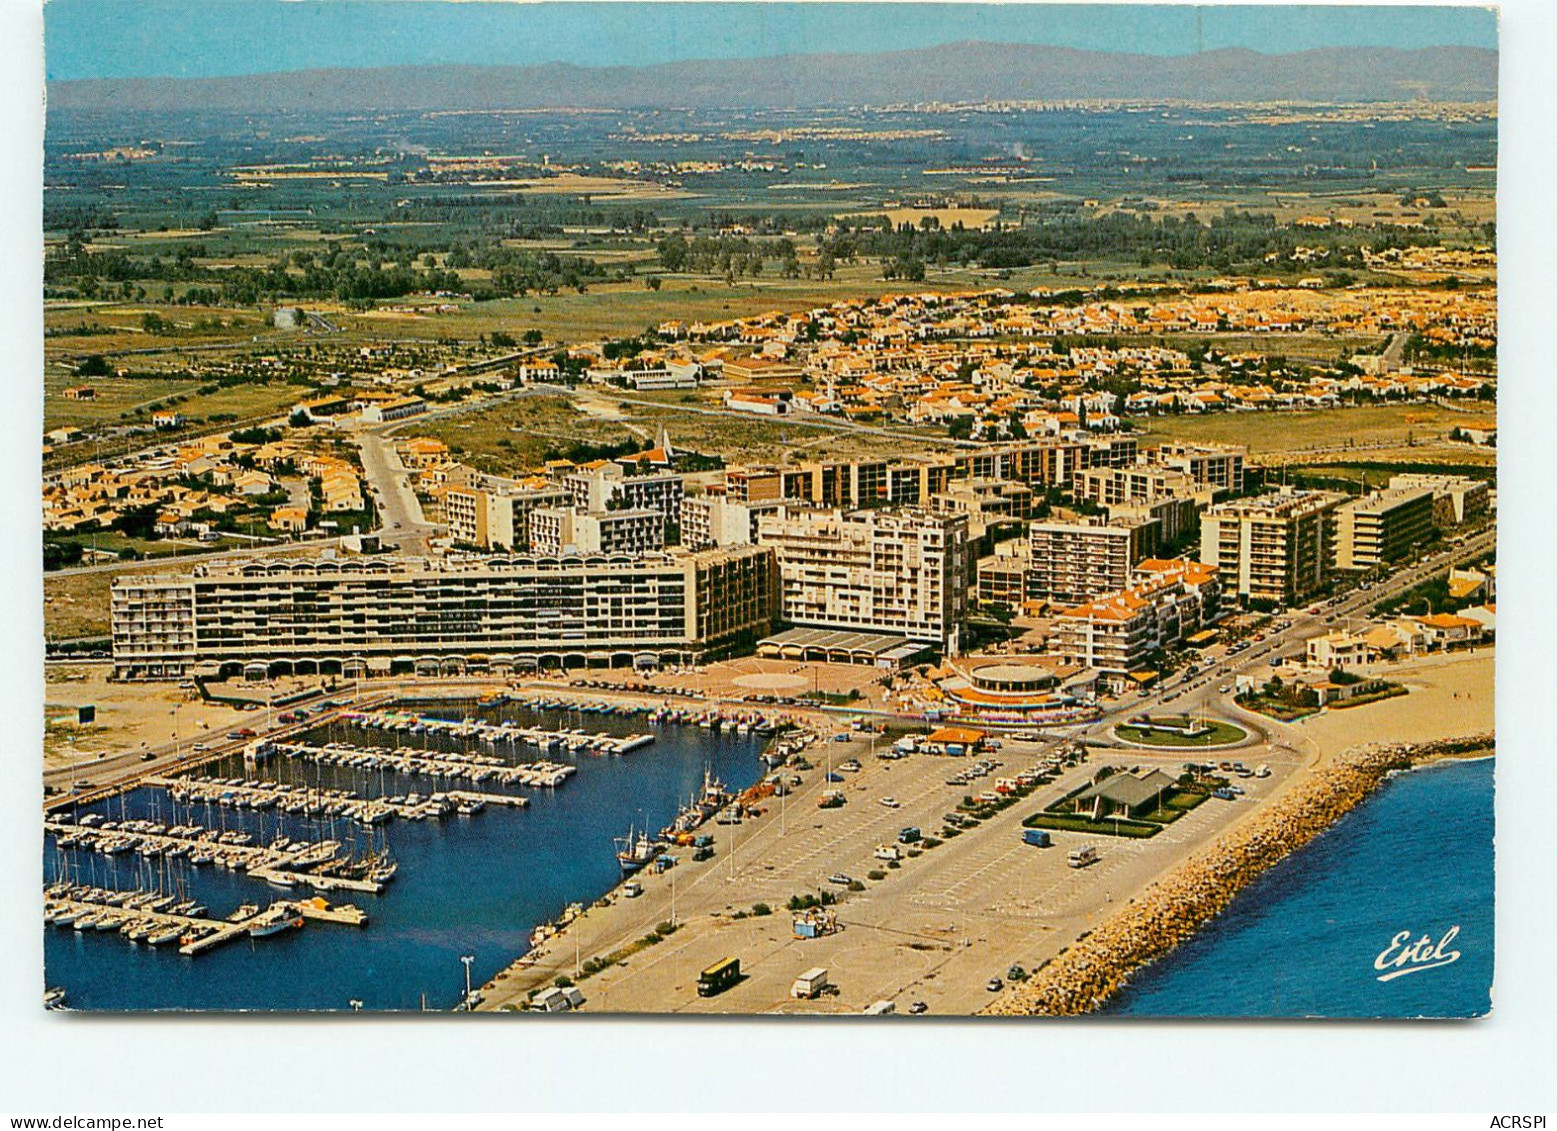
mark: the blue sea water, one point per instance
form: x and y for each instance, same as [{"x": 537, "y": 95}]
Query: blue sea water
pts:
[
  {"x": 476, "y": 885},
  {"x": 1301, "y": 941}
]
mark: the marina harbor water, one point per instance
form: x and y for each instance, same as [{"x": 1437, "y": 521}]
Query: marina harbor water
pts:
[{"x": 478, "y": 881}]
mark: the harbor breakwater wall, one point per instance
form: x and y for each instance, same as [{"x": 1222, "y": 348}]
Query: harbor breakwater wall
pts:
[{"x": 1081, "y": 978}]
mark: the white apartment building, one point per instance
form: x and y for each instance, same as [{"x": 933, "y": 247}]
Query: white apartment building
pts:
[
  {"x": 376, "y": 615},
  {"x": 1108, "y": 486},
  {"x": 1381, "y": 527},
  {"x": 1275, "y": 548},
  {"x": 497, "y": 518},
  {"x": 900, "y": 572},
  {"x": 1219, "y": 466},
  {"x": 1076, "y": 561},
  {"x": 1457, "y": 499},
  {"x": 608, "y": 486},
  {"x": 563, "y": 530},
  {"x": 1119, "y": 632},
  {"x": 713, "y": 519}
]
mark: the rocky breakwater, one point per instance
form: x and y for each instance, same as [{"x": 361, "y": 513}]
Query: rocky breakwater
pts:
[{"x": 1086, "y": 974}]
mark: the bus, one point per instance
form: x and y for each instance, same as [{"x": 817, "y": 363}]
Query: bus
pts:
[{"x": 719, "y": 977}]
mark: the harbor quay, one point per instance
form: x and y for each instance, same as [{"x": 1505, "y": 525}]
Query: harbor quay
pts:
[{"x": 932, "y": 926}]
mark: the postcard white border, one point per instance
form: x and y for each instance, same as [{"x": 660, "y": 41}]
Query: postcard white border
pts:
[{"x": 51, "y": 1063}]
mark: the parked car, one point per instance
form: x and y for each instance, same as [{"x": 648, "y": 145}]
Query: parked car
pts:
[{"x": 994, "y": 985}]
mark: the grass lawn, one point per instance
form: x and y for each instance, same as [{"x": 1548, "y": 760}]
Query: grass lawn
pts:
[
  {"x": 1220, "y": 734},
  {"x": 1277, "y": 708},
  {"x": 1178, "y": 803},
  {"x": 116, "y": 397},
  {"x": 1070, "y": 822},
  {"x": 516, "y": 435}
]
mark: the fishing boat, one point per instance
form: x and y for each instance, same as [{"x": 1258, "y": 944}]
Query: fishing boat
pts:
[{"x": 636, "y": 850}]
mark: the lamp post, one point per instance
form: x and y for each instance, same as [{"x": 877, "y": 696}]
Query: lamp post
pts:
[{"x": 467, "y": 959}]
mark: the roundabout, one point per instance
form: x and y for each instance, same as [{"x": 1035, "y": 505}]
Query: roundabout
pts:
[{"x": 1179, "y": 732}]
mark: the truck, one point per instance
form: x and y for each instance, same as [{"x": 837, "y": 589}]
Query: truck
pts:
[
  {"x": 719, "y": 977},
  {"x": 888, "y": 852},
  {"x": 910, "y": 835},
  {"x": 879, "y": 1008},
  {"x": 1038, "y": 838},
  {"x": 1081, "y": 857},
  {"x": 809, "y": 984}
]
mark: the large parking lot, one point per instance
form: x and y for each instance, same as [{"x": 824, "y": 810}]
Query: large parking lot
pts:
[{"x": 934, "y": 929}]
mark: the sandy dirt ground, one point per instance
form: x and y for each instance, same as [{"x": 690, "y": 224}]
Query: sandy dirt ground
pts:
[
  {"x": 732, "y": 679},
  {"x": 132, "y": 716},
  {"x": 1450, "y": 695}
]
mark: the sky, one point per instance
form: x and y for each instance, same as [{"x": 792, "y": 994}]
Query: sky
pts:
[{"x": 196, "y": 38}]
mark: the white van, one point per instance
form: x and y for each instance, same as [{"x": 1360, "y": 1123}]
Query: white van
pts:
[
  {"x": 809, "y": 984},
  {"x": 1081, "y": 857}
]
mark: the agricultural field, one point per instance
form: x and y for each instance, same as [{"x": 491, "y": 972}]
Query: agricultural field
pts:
[
  {"x": 124, "y": 400},
  {"x": 1300, "y": 436}
]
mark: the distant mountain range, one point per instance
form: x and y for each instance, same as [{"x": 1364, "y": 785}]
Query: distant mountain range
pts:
[{"x": 959, "y": 72}]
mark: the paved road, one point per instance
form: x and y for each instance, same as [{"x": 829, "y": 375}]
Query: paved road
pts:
[
  {"x": 1200, "y": 689},
  {"x": 400, "y": 513}
]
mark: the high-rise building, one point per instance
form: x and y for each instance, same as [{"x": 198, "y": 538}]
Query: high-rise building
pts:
[
  {"x": 1076, "y": 561},
  {"x": 497, "y": 517},
  {"x": 563, "y": 530},
  {"x": 1119, "y": 632},
  {"x": 608, "y": 486},
  {"x": 900, "y": 571},
  {"x": 713, "y": 519},
  {"x": 1219, "y": 466},
  {"x": 1381, "y": 527},
  {"x": 1110, "y": 485},
  {"x": 1457, "y": 499},
  {"x": 1274, "y": 548}
]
